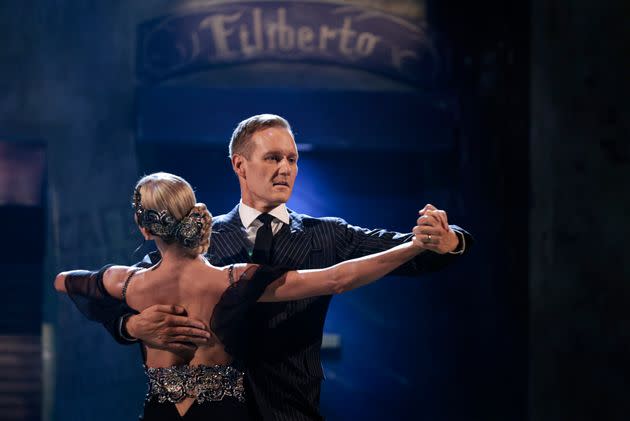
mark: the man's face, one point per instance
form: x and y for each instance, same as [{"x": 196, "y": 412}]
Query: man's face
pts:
[{"x": 271, "y": 168}]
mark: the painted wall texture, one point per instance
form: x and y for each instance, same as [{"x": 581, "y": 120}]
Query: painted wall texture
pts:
[{"x": 67, "y": 81}]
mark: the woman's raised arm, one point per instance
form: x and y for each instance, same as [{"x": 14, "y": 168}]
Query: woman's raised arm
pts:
[{"x": 341, "y": 277}]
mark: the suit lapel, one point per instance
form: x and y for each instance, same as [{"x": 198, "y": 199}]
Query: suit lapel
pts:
[
  {"x": 231, "y": 245},
  {"x": 292, "y": 245}
]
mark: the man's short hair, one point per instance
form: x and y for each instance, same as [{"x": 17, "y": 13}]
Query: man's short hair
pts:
[{"x": 240, "y": 141}]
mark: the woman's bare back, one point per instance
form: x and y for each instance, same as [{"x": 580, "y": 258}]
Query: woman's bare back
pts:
[{"x": 195, "y": 285}]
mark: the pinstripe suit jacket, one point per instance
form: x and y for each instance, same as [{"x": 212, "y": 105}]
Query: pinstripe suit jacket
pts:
[{"x": 283, "y": 366}]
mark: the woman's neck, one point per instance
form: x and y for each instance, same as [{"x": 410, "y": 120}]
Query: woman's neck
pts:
[{"x": 173, "y": 254}]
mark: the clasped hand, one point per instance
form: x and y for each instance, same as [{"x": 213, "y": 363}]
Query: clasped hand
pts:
[{"x": 432, "y": 231}]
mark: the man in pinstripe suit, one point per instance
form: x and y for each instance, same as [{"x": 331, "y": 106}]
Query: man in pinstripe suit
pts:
[{"x": 284, "y": 373}]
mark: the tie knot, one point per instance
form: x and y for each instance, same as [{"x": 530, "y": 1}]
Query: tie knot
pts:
[{"x": 265, "y": 218}]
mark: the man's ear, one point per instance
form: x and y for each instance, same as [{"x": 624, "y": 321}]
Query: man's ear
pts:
[{"x": 238, "y": 165}]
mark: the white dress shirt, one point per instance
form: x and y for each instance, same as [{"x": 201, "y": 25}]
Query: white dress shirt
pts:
[{"x": 248, "y": 218}]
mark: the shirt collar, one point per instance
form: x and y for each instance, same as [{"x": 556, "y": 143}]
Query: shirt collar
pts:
[{"x": 249, "y": 214}]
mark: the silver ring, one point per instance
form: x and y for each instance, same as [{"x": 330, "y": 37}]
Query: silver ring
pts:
[{"x": 428, "y": 238}]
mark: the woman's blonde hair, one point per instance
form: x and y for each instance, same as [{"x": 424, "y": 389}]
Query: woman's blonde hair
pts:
[{"x": 173, "y": 199}]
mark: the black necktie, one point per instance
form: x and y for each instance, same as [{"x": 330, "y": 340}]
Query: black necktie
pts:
[{"x": 264, "y": 240}]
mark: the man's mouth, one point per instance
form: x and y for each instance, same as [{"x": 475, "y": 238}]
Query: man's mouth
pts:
[{"x": 280, "y": 183}]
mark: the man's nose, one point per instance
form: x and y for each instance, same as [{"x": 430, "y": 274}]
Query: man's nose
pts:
[{"x": 285, "y": 167}]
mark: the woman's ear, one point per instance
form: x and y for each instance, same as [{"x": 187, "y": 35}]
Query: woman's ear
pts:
[{"x": 145, "y": 233}]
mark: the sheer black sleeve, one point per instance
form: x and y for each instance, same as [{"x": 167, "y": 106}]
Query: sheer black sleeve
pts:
[
  {"x": 88, "y": 293},
  {"x": 231, "y": 316}
]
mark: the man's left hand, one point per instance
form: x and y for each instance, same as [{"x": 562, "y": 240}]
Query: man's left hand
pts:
[{"x": 433, "y": 231}]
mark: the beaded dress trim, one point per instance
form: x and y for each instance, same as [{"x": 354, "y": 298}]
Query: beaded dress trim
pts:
[{"x": 203, "y": 383}]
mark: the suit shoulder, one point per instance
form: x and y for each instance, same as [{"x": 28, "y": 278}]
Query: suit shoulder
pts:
[
  {"x": 311, "y": 221},
  {"x": 219, "y": 220}
]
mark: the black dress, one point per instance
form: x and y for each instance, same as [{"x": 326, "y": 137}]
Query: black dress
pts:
[{"x": 231, "y": 322}]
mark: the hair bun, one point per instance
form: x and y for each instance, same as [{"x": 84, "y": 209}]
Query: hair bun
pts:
[{"x": 194, "y": 229}]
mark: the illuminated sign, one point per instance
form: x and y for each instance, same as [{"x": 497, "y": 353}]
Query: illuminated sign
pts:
[{"x": 319, "y": 32}]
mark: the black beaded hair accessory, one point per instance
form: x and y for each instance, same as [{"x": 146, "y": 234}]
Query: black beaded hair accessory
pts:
[{"x": 187, "y": 231}]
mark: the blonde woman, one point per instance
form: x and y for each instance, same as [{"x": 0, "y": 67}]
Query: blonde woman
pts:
[{"x": 205, "y": 383}]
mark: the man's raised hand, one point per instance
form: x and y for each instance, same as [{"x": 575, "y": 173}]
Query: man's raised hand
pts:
[{"x": 433, "y": 231}]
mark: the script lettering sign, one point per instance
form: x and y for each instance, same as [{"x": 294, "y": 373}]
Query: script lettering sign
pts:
[{"x": 321, "y": 32}]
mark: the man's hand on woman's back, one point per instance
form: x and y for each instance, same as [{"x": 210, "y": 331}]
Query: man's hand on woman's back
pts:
[{"x": 167, "y": 327}]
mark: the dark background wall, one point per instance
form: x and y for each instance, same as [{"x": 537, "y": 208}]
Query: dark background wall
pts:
[
  {"x": 532, "y": 325},
  {"x": 580, "y": 165},
  {"x": 67, "y": 81}
]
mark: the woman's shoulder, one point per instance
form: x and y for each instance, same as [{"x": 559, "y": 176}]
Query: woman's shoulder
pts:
[
  {"x": 239, "y": 271},
  {"x": 201, "y": 277},
  {"x": 118, "y": 272},
  {"x": 115, "y": 277}
]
